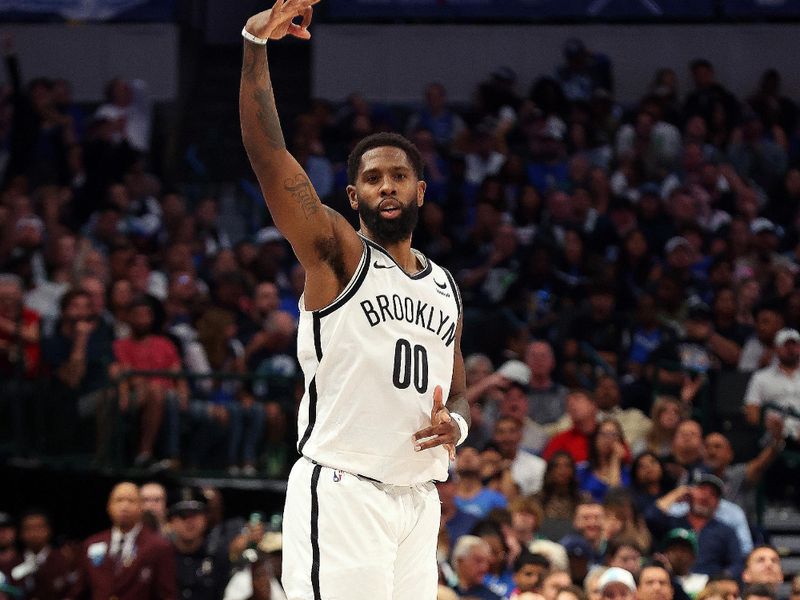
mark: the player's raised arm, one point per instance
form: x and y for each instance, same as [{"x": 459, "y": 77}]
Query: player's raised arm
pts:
[{"x": 322, "y": 240}]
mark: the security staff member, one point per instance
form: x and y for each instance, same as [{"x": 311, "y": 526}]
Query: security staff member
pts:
[
  {"x": 128, "y": 561},
  {"x": 202, "y": 568}
]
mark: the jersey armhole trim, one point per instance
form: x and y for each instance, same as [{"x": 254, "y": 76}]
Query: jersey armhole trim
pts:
[
  {"x": 456, "y": 293},
  {"x": 352, "y": 287}
]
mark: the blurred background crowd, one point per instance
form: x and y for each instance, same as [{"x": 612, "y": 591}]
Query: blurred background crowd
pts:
[{"x": 629, "y": 275}]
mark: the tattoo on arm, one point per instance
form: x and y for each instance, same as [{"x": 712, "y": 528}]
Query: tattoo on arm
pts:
[
  {"x": 268, "y": 119},
  {"x": 250, "y": 61},
  {"x": 303, "y": 193}
]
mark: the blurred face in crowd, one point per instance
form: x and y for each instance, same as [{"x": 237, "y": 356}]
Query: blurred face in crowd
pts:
[
  {"x": 140, "y": 318},
  {"x": 121, "y": 295},
  {"x": 96, "y": 291},
  {"x": 729, "y": 588},
  {"x": 8, "y": 537},
  {"x": 507, "y": 436},
  {"x": 529, "y": 577},
  {"x": 189, "y": 526},
  {"x": 768, "y": 323},
  {"x": 789, "y": 354},
  {"x": 669, "y": 415},
  {"x": 35, "y": 532},
  {"x": 79, "y": 309},
  {"x": 554, "y": 582},
  {"x": 588, "y": 521},
  {"x": 580, "y": 408},
  {"x": 725, "y": 303},
  {"x": 540, "y": 359},
  {"x": 602, "y": 304},
  {"x": 497, "y": 552},
  {"x": 719, "y": 453},
  {"x": 477, "y": 367},
  {"x": 514, "y": 403},
  {"x": 681, "y": 557},
  {"x": 590, "y": 584},
  {"x": 763, "y": 566},
  {"x": 561, "y": 470},
  {"x": 654, "y": 584},
  {"x": 473, "y": 567},
  {"x": 10, "y": 300},
  {"x": 468, "y": 462},
  {"x": 266, "y": 298},
  {"x": 125, "y": 506},
  {"x": 648, "y": 470},
  {"x": 154, "y": 500},
  {"x": 617, "y": 591},
  {"x": 606, "y": 394},
  {"x": 703, "y": 500},
  {"x": 628, "y": 558},
  {"x": 687, "y": 445}
]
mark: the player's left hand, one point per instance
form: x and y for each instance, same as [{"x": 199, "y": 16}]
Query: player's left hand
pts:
[{"x": 443, "y": 430}]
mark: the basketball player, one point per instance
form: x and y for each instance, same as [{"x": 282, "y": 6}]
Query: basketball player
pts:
[{"x": 379, "y": 344}]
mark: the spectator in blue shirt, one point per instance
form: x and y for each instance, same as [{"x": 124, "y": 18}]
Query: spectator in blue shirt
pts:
[{"x": 718, "y": 547}]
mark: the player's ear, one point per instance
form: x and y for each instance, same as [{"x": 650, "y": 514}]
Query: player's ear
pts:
[
  {"x": 421, "y": 187},
  {"x": 351, "y": 195}
]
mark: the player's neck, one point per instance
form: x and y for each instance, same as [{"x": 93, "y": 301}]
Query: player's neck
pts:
[{"x": 399, "y": 251}]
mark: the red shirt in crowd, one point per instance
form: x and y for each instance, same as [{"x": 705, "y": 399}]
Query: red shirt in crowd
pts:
[
  {"x": 31, "y": 353},
  {"x": 152, "y": 353},
  {"x": 572, "y": 441}
]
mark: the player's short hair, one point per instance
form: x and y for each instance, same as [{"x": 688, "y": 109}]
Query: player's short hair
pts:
[{"x": 379, "y": 140}]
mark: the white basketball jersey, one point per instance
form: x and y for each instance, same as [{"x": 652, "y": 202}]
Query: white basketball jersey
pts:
[{"x": 371, "y": 361}]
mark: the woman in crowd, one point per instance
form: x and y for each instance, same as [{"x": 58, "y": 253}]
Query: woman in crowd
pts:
[
  {"x": 606, "y": 467},
  {"x": 666, "y": 415},
  {"x": 560, "y": 493}
]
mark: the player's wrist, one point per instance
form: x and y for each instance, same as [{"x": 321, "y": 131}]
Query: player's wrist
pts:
[
  {"x": 253, "y": 39},
  {"x": 462, "y": 427}
]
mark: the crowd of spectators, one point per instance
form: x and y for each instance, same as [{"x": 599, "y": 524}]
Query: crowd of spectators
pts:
[
  {"x": 620, "y": 266},
  {"x": 160, "y": 546}
]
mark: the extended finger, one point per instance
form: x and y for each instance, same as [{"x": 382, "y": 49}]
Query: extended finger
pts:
[
  {"x": 433, "y": 442},
  {"x": 442, "y": 429}
]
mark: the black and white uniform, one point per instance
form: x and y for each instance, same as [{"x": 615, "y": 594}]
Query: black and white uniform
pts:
[{"x": 362, "y": 513}]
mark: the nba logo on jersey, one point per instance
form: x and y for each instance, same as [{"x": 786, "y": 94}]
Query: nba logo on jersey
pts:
[{"x": 337, "y": 475}]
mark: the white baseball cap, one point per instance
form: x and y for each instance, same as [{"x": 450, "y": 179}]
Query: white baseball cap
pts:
[
  {"x": 616, "y": 575},
  {"x": 516, "y": 371},
  {"x": 786, "y": 334}
]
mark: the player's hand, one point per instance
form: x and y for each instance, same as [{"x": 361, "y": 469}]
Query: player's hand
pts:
[
  {"x": 442, "y": 432},
  {"x": 278, "y": 22}
]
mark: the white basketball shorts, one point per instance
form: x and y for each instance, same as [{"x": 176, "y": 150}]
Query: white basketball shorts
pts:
[{"x": 348, "y": 538}]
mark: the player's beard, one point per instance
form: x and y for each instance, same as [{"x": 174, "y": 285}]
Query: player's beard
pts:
[{"x": 390, "y": 231}]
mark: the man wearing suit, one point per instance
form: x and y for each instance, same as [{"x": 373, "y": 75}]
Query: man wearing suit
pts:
[
  {"x": 126, "y": 562},
  {"x": 43, "y": 572}
]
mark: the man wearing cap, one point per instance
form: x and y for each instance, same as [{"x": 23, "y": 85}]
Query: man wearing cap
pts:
[
  {"x": 202, "y": 569},
  {"x": 778, "y": 386},
  {"x": 718, "y": 546},
  {"x": 680, "y": 550},
  {"x": 128, "y": 561},
  {"x": 741, "y": 479},
  {"x": 514, "y": 403},
  {"x": 617, "y": 584},
  {"x": 759, "y": 350},
  {"x": 763, "y": 260}
]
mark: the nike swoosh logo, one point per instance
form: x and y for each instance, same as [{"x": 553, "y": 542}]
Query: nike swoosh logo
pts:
[
  {"x": 442, "y": 286},
  {"x": 377, "y": 265}
]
